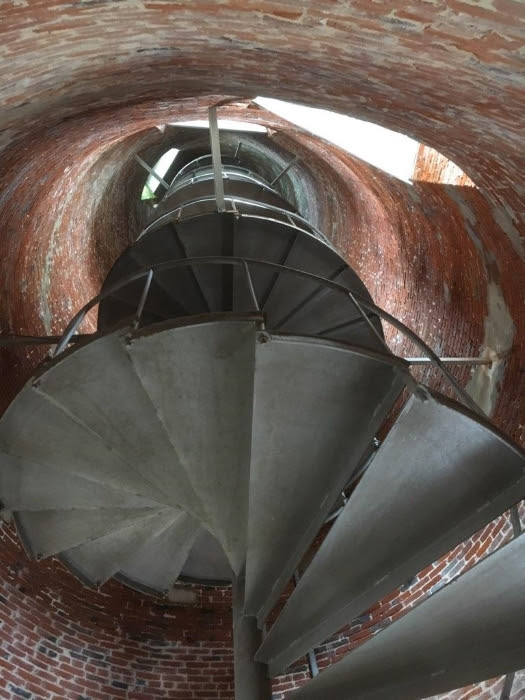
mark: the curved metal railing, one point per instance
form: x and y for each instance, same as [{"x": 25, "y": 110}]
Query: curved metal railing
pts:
[
  {"x": 182, "y": 212},
  {"x": 205, "y": 173},
  {"x": 359, "y": 302},
  {"x": 200, "y": 162}
]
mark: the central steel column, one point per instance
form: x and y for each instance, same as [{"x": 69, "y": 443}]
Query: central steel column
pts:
[{"x": 251, "y": 678}]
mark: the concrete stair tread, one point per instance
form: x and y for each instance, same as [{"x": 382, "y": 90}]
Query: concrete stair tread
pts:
[
  {"x": 41, "y": 431},
  {"x": 214, "y": 238},
  {"x": 357, "y": 333},
  {"x": 200, "y": 378},
  {"x": 326, "y": 308},
  {"x": 98, "y": 560},
  {"x": 417, "y": 500},
  {"x": 157, "y": 564},
  {"x": 99, "y": 386},
  {"x": 470, "y": 630},
  {"x": 31, "y": 486},
  {"x": 290, "y": 292},
  {"x": 48, "y": 532},
  {"x": 317, "y": 408}
]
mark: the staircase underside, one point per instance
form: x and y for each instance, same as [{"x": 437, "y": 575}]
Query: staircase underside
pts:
[
  {"x": 209, "y": 446},
  {"x": 141, "y": 433}
]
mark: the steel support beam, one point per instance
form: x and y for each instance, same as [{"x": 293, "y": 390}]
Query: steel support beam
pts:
[
  {"x": 515, "y": 520},
  {"x": 507, "y": 686},
  {"x": 251, "y": 678},
  {"x": 152, "y": 172},
  {"x": 216, "y": 158}
]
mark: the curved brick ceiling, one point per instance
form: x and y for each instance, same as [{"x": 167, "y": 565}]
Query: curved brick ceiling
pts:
[
  {"x": 84, "y": 85},
  {"x": 446, "y": 72}
]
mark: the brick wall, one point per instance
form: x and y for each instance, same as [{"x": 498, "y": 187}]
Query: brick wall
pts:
[
  {"x": 59, "y": 639},
  {"x": 432, "y": 166}
]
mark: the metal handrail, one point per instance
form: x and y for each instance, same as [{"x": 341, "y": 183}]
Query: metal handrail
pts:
[
  {"x": 192, "y": 165},
  {"x": 228, "y": 173},
  {"x": 286, "y": 213},
  {"x": 206, "y": 172},
  {"x": 227, "y": 168},
  {"x": 360, "y": 303}
]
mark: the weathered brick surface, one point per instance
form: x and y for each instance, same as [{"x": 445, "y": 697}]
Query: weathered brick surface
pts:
[
  {"x": 432, "y": 166},
  {"x": 84, "y": 85},
  {"x": 59, "y": 639}
]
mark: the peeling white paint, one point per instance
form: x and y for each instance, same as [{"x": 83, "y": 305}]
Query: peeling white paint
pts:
[
  {"x": 182, "y": 596},
  {"x": 484, "y": 386},
  {"x": 484, "y": 4},
  {"x": 504, "y": 221},
  {"x": 470, "y": 218},
  {"x": 45, "y": 311}
]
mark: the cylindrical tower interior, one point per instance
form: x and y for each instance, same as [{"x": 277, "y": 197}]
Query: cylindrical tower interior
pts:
[{"x": 87, "y": 87}]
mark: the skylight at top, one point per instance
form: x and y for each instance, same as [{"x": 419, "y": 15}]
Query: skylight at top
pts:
[{"x": 389, "y": 150}]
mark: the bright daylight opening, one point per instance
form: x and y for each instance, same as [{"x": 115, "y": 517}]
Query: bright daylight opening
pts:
[
  {"x": 160, "y": 168},
  {"x": 389, "y": 150},
  {"x": 164, "y": 163}
]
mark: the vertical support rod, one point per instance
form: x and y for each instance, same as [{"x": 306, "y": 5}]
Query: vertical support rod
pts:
[
  {"x": 312, "y": 659},
  {"x": 70, "y": 331},
  {"x": 284, "y": 171},
  {"x": 312, "y": 663},
  {"x": 410, "y": 382},
  {"x": 216, "y": 158},
  {"x": 143, "y": 298},
  {"x": 249, "y": 284},
  {"x": 251, "y": 678}
]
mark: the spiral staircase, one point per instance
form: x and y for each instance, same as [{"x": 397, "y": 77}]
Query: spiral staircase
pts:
[{"x": 233, "y": 391}]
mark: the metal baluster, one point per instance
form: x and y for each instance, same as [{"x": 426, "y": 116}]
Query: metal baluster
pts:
[
  {"x": 143, "y": 299},
  {"x": 249, "y": 283},
  {"x": 312, "y": 660}
]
